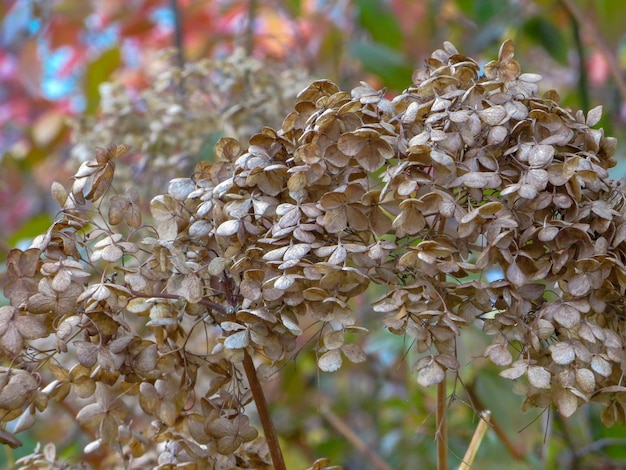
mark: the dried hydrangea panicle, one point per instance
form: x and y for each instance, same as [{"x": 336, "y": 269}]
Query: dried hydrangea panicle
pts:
[
  {"x": 169, "y": 131},
  {"x": 154, "y": 318},
  {"x": 460, "y": 173}
]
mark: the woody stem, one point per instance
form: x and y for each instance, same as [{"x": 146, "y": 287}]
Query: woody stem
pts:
[
  {"x": 441, "y": 434},
  {"x": 264, "y": 414}
]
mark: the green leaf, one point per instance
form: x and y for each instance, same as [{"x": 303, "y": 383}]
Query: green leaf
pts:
[
  {"x": 98, "y": 72},
  {"x": 391, "y": 66},
  {"x": 380, "y": 22},
  {"x": 544, "y": 33}
]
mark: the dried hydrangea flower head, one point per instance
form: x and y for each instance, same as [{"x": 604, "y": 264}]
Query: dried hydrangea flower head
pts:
[{"x": 421, "y": 194}]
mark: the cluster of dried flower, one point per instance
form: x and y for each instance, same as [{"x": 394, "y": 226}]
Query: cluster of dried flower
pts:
[
  {"x": 421, "y": 194},
  {"x": 181, "y": 114}
]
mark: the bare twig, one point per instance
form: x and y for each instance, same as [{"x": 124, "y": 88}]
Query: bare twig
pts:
[
  {"x": 353, "y": 438},
  {"x": 583, "y": 82},
  {"x": 477, "y": 438},
  {"x": 179, "y": 44},
  {"x": 601, "y": 444},
  {"x": 264, "y": 413},
  {"x": 569, "y": 441},
  {"x": 593, "y": 32},
  {"x": 441, "y": 435},
  {"x": 249, "y": 35},
  {"x": 577, "y": 452}
]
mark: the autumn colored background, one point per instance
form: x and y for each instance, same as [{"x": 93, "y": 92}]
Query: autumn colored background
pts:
[{"x": 57, "y": 58}]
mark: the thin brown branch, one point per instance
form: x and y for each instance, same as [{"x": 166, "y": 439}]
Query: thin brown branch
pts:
[
  {"x": 249, "y": 34},
  {"x": 510, "y": 447},
  {"x": 574, "y": 464},
  {"x": 264, "y": 413},
  {"x": 179, "y": 44},
  {"x": 601, "y": 444},
  {"x": 595, "y": 36},
  {"x": 353, "y": 438},
  {"x": 441, "y": 435},
  {"x": 179, "y": 41},
  {"x": 583, "y": 80}
]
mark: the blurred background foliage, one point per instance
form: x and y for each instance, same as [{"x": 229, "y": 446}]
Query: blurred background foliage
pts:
[{"x": 169, "y": 77}]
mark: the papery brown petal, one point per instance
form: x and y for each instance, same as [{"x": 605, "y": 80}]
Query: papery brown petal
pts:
[
  {"x": 101, "y": 182},
  {"x": 506, "y": 52},
  {"x": 431, "y": 374},
  {"x": 330, "y": 361},
  {"x": 538, "y": 377}
]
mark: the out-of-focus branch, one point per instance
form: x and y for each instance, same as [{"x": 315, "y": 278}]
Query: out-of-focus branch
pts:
[
  {"x": 593, "y": 32},
  {"x": 249, "y": 38},
  {"x": 353, "y": 438},
  {"x": 179, "y": 44},
  {"x": 516, "y": 453},
  {"x": 179, "y": 41},
  {"x": 601, "y": 444},
  {"x": 583, "y": 82}
]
